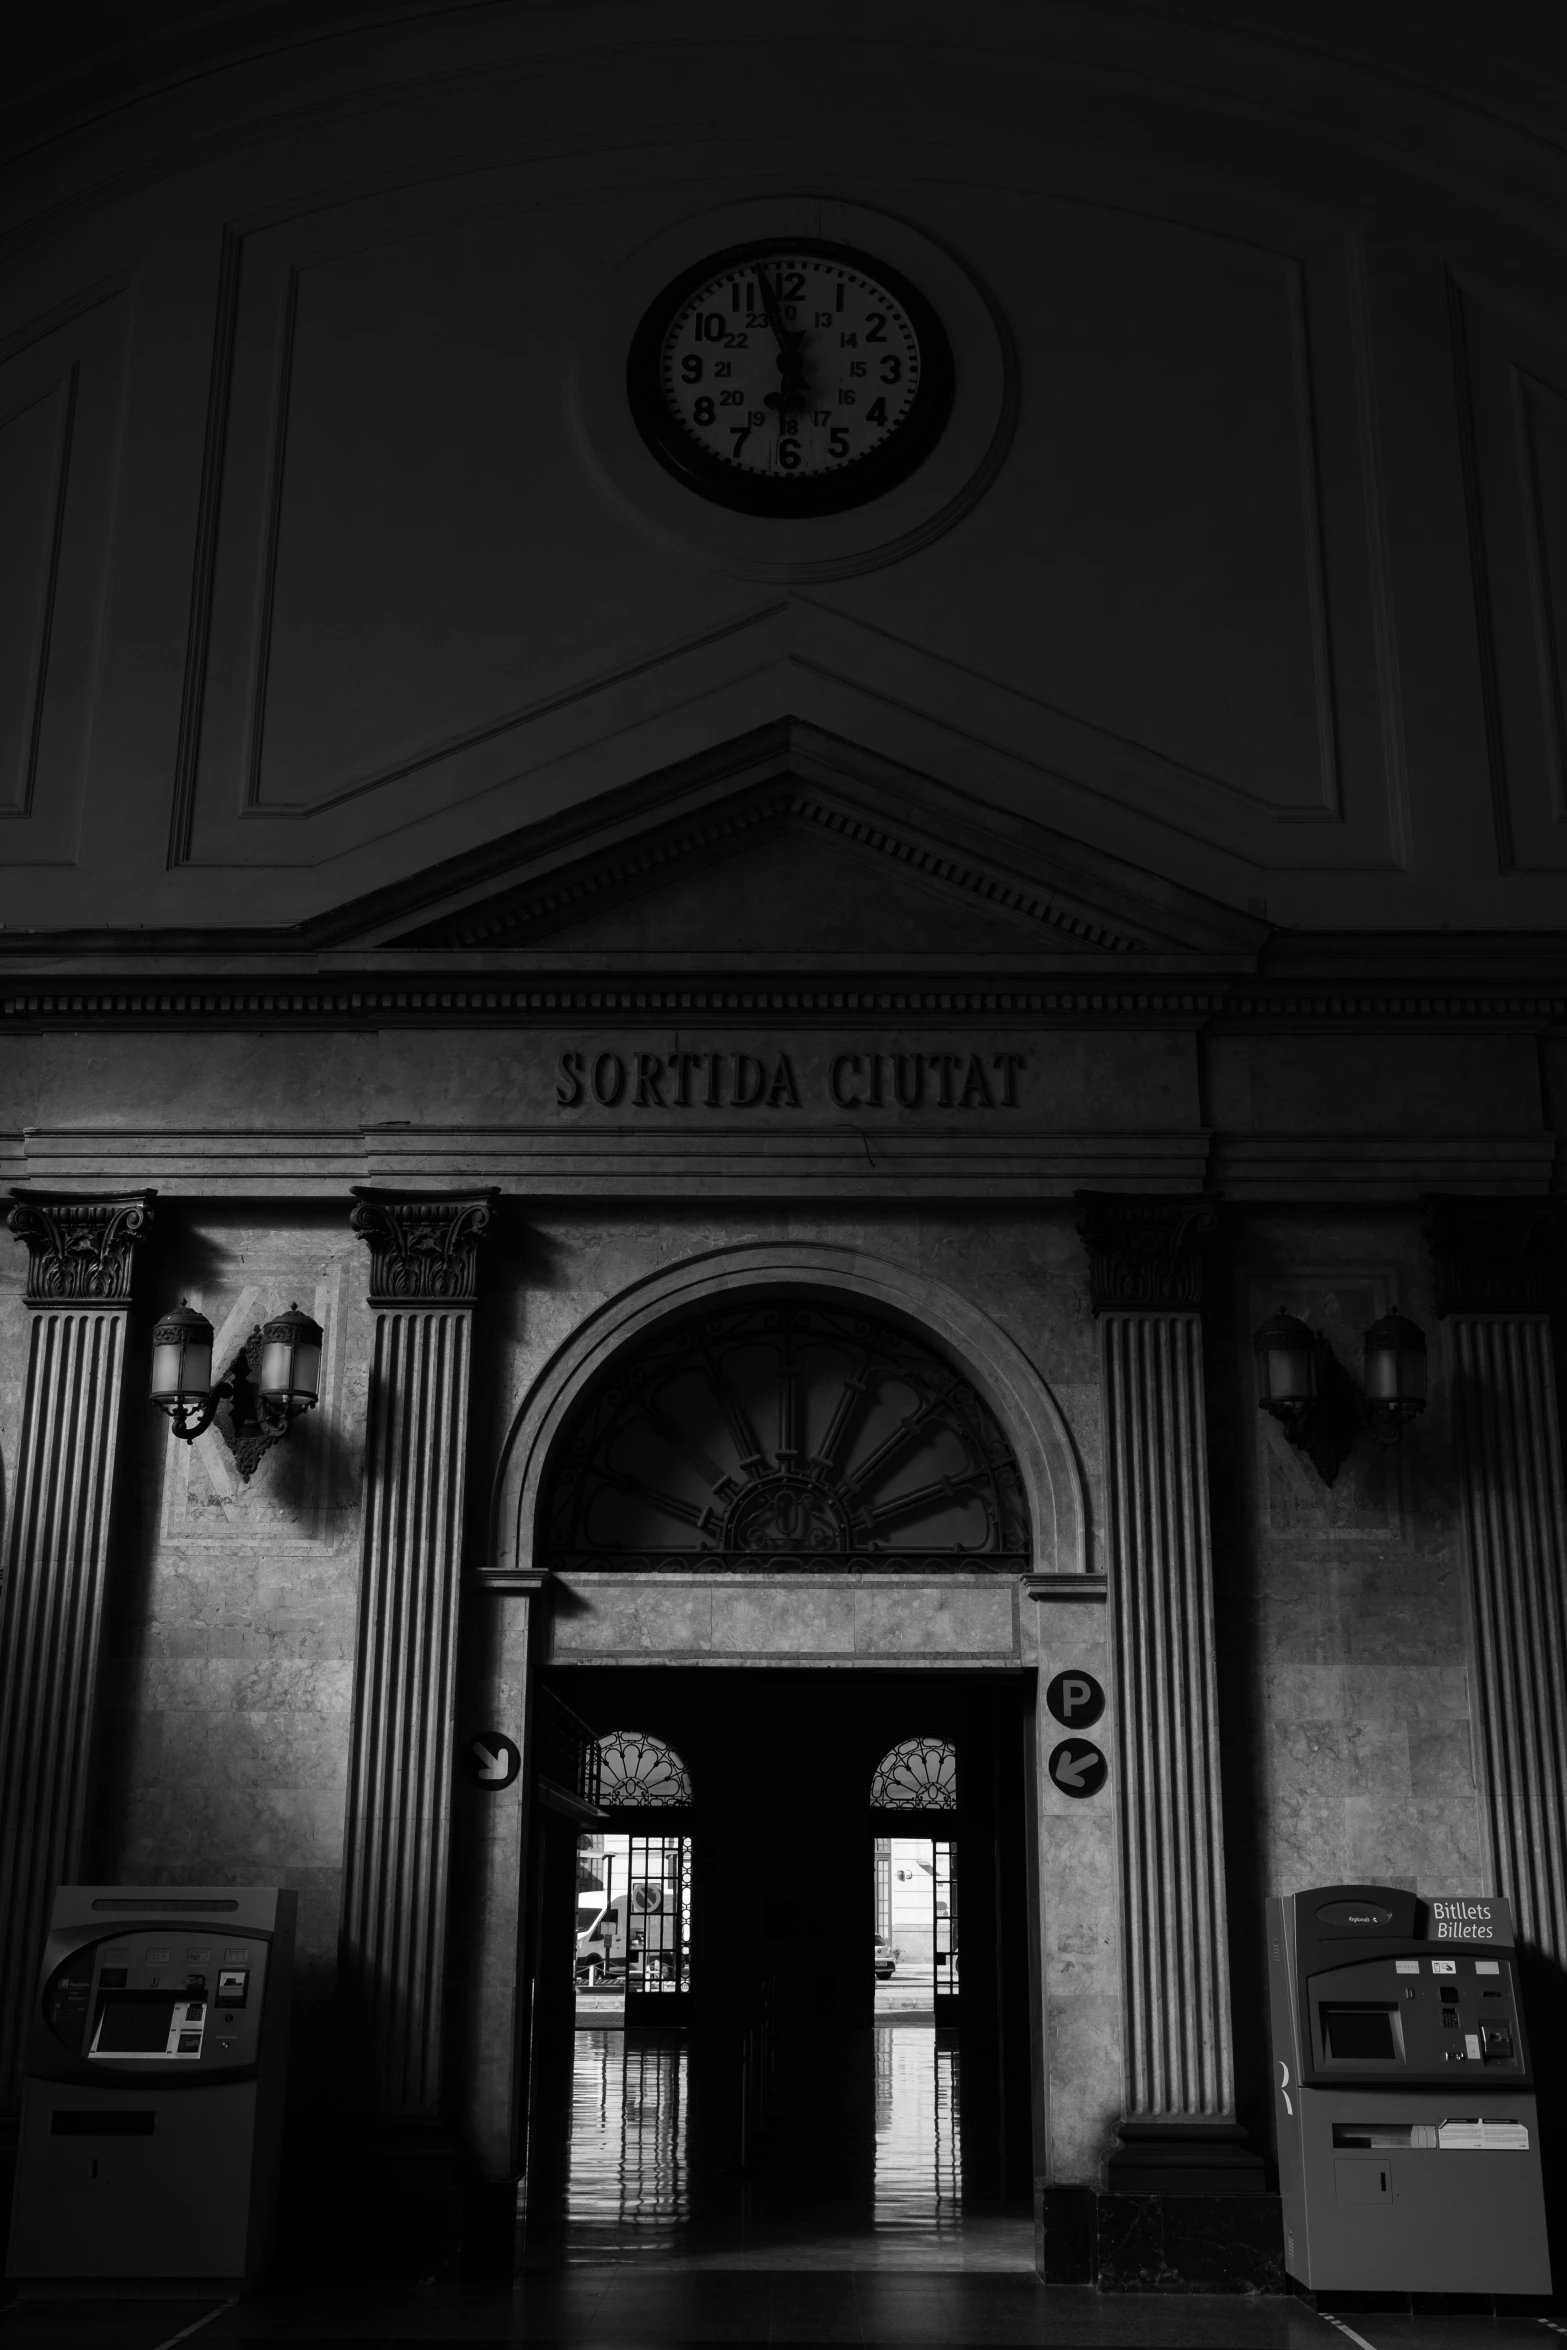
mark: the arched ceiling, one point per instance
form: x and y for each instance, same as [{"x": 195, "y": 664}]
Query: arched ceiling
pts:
[{"x": 80, "y": 60}]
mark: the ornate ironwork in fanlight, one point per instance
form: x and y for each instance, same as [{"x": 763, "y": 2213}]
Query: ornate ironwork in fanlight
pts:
[
  {"x": 787, "y": 1439},
  {"x": 640, "y": 1773},
  {"x": 919, "y": 1775}
]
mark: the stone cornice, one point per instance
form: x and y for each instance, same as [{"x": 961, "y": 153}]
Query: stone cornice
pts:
[
  {"x": 80, "y": 1247},
  {"x": 194, "y": 1001}
]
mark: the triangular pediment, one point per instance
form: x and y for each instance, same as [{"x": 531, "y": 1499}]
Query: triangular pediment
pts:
[{"x": 793, "y": 845}]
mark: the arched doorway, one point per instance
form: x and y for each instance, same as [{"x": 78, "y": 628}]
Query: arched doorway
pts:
[{"x": 811, "y": 1463}]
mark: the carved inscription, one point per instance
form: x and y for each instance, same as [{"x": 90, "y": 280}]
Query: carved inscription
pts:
[{"x": 629, "y": 1078}]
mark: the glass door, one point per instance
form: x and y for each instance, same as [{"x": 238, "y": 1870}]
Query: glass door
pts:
[
  {"x": 658, "y": 1929},
  {"x": 944, "y": 1929}
]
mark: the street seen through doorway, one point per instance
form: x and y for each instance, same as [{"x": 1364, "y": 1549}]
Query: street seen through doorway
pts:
[{"x": 634, "y": 1925}]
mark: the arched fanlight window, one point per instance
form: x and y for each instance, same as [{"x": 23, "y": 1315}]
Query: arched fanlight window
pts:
[
  {"x": 919, "y": 1775},
  {"x": 776, "y": 1439},
  {"x": 641, "y": 1773}
]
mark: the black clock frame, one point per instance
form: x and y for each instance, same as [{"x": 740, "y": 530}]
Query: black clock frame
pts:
[{"x": 761, "y": 494}]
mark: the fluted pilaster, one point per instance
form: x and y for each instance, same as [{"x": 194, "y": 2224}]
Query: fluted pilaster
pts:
[
  {"x": 1495, "y": 1267},
  {"x": 396, "y": 1864},
  {"x": 56, "y": 1571},
  {"x": 1178, "y": 2132},
  {"x": 1177, "y": 2048},
  {"x": 1515, "y": 1528}
]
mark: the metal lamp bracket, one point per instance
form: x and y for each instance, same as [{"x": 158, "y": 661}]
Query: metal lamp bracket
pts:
[
  {"x": 247, "y": 1422},
  {"x": 1325, "y": 1428}
]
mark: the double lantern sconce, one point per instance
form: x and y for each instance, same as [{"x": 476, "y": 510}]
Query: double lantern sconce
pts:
[
  {"x": 1318, "y": 1405},
  {"x": 275, "y": 1377}
]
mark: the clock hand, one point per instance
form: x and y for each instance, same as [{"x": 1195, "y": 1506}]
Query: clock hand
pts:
[{"x": 792, "y": 392}]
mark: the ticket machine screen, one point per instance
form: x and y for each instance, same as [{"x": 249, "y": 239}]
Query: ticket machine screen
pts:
[
  {"x": 135, "y": 2000},
  {"x": 1417, "y": 2017}
]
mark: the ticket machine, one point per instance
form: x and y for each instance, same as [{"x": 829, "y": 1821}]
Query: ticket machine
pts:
[
  {"x": 1409, "y": 2147},
  {"x": 153, "y": 2105}
]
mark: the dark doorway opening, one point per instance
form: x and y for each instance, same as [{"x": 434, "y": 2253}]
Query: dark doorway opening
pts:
[{"x": 778, "y": 2100}]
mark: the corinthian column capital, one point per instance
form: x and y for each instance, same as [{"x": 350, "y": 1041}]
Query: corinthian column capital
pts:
[
  {"x": 424, "y": 1246},
  {"x": 79, "y": 1250},
  {"x": 1144, "y": 1254},
  {"x": 1493, "y": 1256}
]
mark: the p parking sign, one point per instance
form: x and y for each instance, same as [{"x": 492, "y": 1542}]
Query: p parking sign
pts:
[{"x": 1075, "y": 1699}]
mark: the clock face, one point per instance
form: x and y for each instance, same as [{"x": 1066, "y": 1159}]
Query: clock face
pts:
[{"x": 790, "y": 379}]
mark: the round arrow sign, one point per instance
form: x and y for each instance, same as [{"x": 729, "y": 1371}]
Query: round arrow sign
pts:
[
  {"x": 1075, "y": 1699},
  {"x": 491, "y": 1760},
  {"x": 1078, "y": 1768}
]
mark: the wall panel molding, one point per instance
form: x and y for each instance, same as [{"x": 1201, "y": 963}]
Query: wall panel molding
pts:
[
  {"x": 61, "y": 398},
  {"x": 42, "y": 470},
  {"x": 225, "y": 786},
  {"x": 1509, "y": 378}
]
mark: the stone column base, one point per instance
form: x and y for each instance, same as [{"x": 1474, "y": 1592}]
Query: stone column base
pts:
[
  {"x": 377, "y": 2199},
  {"x": 1183, "y": 2158},
  {"x": 1159, "y": 2243}
]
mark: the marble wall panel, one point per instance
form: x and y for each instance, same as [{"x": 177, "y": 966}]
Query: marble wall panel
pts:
[
  {"x": 818, "y": 1620},
  {"x": 1082, "y": 2052},
  {"x": 489, "y": 1872},
  {"x": 925, "y": 1621},
  {"x": 1079, "y": 1922},
  {"x": 600, "y": 1616},
  {"x": 1353, "y": 1630},
  {"x": 229, "y": 1649}
]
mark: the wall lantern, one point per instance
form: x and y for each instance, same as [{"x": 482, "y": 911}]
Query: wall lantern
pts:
[
  {"x": 1316, "y": 1402},
  {"x": 1395, "y": 1375},
  {"x": 1287, "y": 1361},
  {"x": 274, "y": 1378}
]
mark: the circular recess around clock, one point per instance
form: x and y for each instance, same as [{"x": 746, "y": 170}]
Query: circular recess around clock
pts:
[{"x": 790, "y": 378}]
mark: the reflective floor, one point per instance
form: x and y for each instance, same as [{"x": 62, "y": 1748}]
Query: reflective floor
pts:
[
  {"x": 699, "y": 2203},
  {"x": 673, "y": 2157},
  {"x": 621, "y": 2308}
]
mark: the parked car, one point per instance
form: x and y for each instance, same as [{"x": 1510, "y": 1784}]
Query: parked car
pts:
[{"x": 886, "y": 1958}]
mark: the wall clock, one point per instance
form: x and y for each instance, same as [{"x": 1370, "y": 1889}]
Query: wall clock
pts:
[{"x": 790, "y": 378}]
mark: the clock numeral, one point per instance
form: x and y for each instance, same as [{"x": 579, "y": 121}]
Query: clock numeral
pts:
[
  {"x": 838, "y": 441},
  {"x": 876, "y": 413},
  {"x": 848, "y": 342},
  {"x": 793, "y": 284},
  {"x": 739, "y": 434},
  {"x": 789, "y": 454},
  {"x": 891, "y": 370},
  {"x": 758, "y": 416},
  {"x": 735, "y": 399},
  {"x": 848, "y": 399},
  {"x": 876, "y": 332},
  {"x": 737, "y": 342},
  {"x": 839, "y": 303},
  {"x": 704, "y": 411},
  {"x": 820, "y": 415},
  {"x": 722, "y": 367},
  {"x": 691, "y": 368},
  {"x": 708, "y": 326},
  {"x": 858, "y": 366},
  {"x": 823, "y": 317},
  {"x": 756, "y": 320}
]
